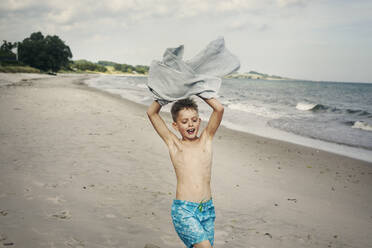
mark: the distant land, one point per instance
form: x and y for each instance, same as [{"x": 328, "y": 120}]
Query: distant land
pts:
[
  {"x": 257, "y": 75},
  {"x": 110, "y": 67}
]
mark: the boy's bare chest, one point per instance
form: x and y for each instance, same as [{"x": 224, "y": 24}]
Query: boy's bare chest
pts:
[{"x": 195, "y": 155}]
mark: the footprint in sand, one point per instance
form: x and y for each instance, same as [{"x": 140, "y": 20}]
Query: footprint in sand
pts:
[
  {"x": 62, "y": 215},
  {"x": 3, "y": 212},
  {"x": 75, "y": 243},
  {"x": 56, "y": 200},
  {"x": 45, "y": 185},
  {"x": 3, "y": 238},
  {"x": 151, "y": 246}
]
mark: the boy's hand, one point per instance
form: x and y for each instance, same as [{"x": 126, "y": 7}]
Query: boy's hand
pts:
[
  {"x": 159, "y": 124},
  {"x": 215, "y": 118}
]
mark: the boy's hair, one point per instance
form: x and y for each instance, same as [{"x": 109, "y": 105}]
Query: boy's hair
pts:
[{"x": 187, "y": 103}]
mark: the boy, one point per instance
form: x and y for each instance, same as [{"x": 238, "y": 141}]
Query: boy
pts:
[{"x": 192, "y": 212}]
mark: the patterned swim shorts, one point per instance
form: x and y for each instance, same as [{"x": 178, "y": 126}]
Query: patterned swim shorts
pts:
[{"x": 193, "y": 222}]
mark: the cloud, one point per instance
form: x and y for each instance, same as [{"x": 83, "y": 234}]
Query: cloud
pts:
[
  {"x": 14, "y": 5},
  {"x": 119, "y": 5},
  {"x": 238, "y": 24},
  {"x": 86, "y": 15},
  {"x": 68, "y": 11},
  {"x": 64, "y": 16},
  {"x": 237, "y": 5},
  {"x": 244, "y": 24},
  {"x": 284, "y": 3}
]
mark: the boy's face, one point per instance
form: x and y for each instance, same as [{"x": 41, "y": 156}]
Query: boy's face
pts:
[{"x": 187, "y": 123}]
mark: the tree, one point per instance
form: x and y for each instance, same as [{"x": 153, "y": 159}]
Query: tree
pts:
[
  {"x": 143, "y": 69},
  {"x": 59, "y": 53},
  {"x": 106, "y": 63},
  {"x": 45, "y": 53},
  {"x": 85, "y": 65},
  {"x": 7, "y": 56}
]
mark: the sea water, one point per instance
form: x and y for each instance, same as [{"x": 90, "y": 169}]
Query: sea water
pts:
[{"x": 317, "y": 114}]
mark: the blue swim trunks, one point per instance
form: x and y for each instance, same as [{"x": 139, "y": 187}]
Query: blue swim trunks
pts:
[{"x": 194, "y": 222}]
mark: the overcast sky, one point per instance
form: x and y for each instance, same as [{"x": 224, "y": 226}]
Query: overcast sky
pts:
[{"x": 305, "y": 39}]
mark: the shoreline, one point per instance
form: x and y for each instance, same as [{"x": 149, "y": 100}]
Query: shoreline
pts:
[
  {"x": 261, "y": 129},
  {"x": 358, "y": 153},
  {"x": 84, "y": 167}
]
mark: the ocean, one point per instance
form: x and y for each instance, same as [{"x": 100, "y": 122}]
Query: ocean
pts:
[{"x": 332, "y": 116}]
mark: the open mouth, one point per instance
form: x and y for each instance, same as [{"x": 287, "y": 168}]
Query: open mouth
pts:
[{"x": 191, "y": 131}]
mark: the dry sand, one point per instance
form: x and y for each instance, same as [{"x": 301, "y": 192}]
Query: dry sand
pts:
[{"x": 84, "y": 168}]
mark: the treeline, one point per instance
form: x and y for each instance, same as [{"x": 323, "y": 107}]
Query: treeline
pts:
[
  {"x": 50, "y": 53},
  {"x": 102, "y": 66},
  {"x": 141, "y": 69},
  {"x": 85, "y": 65},
  {"x": 265, "y": 75},
  {"x": 46, "y": 53},
  {"x": 7, "y": 56}
]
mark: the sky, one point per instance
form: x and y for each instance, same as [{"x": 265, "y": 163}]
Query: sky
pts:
[{"x": 328, "y": 40}]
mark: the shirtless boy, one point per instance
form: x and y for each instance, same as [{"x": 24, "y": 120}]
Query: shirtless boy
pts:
[{"x": 192, "y": 212}]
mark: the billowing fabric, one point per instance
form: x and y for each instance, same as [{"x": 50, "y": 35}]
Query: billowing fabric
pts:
[
  {"x": 173, "y": 79},
  {"x": 193, "y": 222}
]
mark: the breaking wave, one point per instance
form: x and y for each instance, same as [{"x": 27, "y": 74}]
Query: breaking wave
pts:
[
  {"x": 362, "y": 125},
  {"x": 317, "y": 107}
]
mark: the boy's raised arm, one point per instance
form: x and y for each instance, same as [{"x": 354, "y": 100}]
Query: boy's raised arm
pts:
[
  {"x": 216, "y": 116},
  {"x": 158, "y": 123}
]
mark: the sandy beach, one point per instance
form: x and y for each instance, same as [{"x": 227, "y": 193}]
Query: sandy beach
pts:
[{"x": 84, "y": 168}]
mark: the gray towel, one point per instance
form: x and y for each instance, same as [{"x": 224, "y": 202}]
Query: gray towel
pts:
[{"x": 173, "y": 79}]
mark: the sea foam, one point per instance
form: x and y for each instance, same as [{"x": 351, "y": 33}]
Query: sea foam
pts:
[
  {"x": 362, "y": 125},
  {"x": 305, "y": 106}
]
